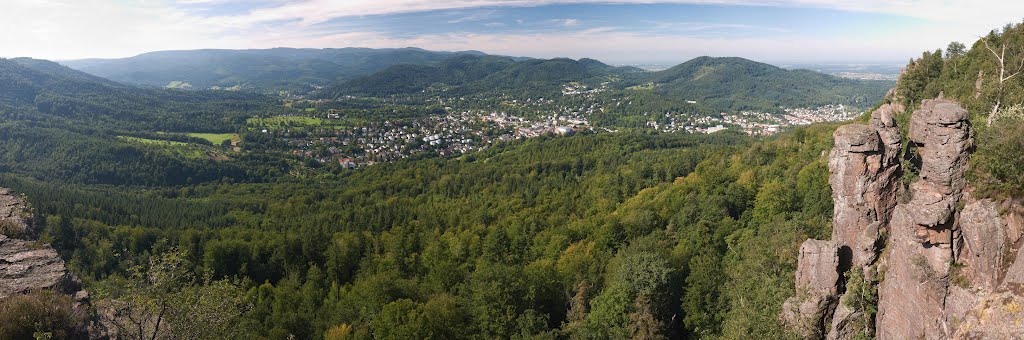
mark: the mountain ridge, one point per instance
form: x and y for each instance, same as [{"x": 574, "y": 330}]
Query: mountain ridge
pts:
[{"x": 263, "y": 70}]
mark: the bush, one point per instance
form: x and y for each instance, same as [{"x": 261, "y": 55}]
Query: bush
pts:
[
  {"x": 998, "y": 162},
  {"x": 44, "y": 312}
]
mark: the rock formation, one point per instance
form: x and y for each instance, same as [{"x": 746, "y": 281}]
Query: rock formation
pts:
[
  {"x": 817, "y": 280},
  {"x": 864, "y": 164},
  {"x": 912, "y": 250},
  {"x": 26, "y": 265},
  {"x": 15, "y": 216},
  {"x": 923, "y": 232}
]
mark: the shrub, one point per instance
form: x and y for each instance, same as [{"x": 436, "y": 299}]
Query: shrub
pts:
[
  {"x": 23, "y": 316},
  {"x": 998, "y": 165}
]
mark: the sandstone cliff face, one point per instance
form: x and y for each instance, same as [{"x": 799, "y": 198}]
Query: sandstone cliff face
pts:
[
  {"x": 864, "y": 164},
  {"x": 923, "y": 232},
  {"x": 946, "y": 264},
  {"x": 27, "y": 265},
  {"x": 943, "y": 262}
]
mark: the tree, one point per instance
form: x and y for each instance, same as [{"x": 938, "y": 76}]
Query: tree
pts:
[
  {"x": 164, "y": 301},
  {"x": 1003, "y": 77},
  {"x": 955, "y": 50}
]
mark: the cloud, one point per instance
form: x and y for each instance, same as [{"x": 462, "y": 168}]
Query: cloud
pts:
[
  {"x": 60, "y": 29},
  {"x": 475, "y": 16}
]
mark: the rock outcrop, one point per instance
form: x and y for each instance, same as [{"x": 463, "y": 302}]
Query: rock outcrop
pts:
[
  {"x": 817, "y": 280},
  {"x": 863, "y": 163},
  {"x": 15, "y": 216},
  {"x": 26, "y": 265},
  {"x": 923, "y": 232},
  {"x": 908, "y": 250}
]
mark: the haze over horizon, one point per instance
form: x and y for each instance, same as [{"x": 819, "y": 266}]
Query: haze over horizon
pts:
[{"x": 618, "y": 32}]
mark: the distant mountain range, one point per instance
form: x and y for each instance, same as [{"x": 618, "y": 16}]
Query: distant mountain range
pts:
[
  {"x": 264, "y": 70},
  {"x": 717, "y": 84}
]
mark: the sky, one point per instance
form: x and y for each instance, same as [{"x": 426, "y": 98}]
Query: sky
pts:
[{"x": 618, "y": 32}]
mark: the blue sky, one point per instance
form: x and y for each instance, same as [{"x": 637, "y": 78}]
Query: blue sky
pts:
[{"x": 620, "y": 32}]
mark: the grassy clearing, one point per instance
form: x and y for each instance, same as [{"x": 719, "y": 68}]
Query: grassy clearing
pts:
[
  {"x": 297, "y": 123},
  {"x": 215, "y": 138},
  {"x": 187, "y": 150},
  {"x": 153, "y": 141},
  {"x": 641, "y": 87},
  {"x": 285, "y": 120}
]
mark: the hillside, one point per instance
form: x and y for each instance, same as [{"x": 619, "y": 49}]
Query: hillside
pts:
[
  {"x": 468, "y": 74},
  {"x": 715, "y": 84},
  {"x": 741, "y": 84},
  {"x": 267, "y": 70},
  {"x": 64, "y": 125},
  {"x": 39, "y": 89}
]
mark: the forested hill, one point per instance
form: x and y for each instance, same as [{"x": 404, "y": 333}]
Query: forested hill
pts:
[
  {"x": 42, "y": 90},
  {"x": 261, "y": 70},
  {"x": 715, "y": 84},
  {"x": 466, "y": 74},
  {"x": 740, "y": 84}
]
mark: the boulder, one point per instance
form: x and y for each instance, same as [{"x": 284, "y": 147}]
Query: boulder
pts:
[
  {"x": 941, "y": 126},
  {"x": 844, "y": 323}
]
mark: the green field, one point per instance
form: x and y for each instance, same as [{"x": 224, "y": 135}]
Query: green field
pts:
[
  {"x": 153, "y": 141},
  {"x": 187, "y": 150},
  {"x": 215, "y": 138},
  {"x": 285, "y": 120},
  {"x": 299, "y": 122}
]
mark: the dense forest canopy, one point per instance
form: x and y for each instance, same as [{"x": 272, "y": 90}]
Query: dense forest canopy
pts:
[{"x": 589, "y": 236}]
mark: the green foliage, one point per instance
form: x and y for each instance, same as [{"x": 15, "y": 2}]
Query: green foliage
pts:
[
  {"x": 992, "y": 94},
  {"x": 589, "y": 236},
  {"x": 164, "y": 300},
  {"x": 42, "y": 314},
  {"x": 611, "y": 235},
  {"x": 998, "y": 164},
  {"x": 861, "y": 296}
]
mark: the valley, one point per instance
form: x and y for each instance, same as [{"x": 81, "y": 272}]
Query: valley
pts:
[{"x": 326, "y": 192}]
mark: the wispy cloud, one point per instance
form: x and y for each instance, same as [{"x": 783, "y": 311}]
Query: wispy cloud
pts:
[{"x": 474, "y": 16}]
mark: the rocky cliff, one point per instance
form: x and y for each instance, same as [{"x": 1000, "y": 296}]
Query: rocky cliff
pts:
[
  {"x": 26, "y": 265},
  {"x": 945, "y": 264}
]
